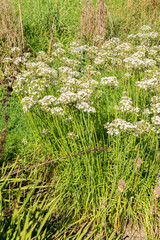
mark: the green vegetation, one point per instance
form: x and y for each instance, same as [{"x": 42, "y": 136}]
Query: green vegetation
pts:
[{"x": 80, "y": 158}]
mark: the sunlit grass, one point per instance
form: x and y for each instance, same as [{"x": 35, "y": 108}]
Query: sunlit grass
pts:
[{"x": 101, "y": 176}]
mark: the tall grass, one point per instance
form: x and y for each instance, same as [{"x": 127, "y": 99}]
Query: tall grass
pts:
[
  {"x": 37, "y": 19},
  {"x": 10, "y": 33},
  {"x": 78, "y": 181}
]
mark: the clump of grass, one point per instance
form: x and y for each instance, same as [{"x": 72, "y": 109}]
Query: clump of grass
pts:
[
  {"x": 10, "y": 32},
  {"x": 113, "y": 18},
  {"x": 93, "y": 110},
  {"x": 87, "y": 22},
  {"x": 103, "y": 20},
  {"x": 26, "y": 206},
  {"x": 129, "y": 15},
  {"x": 93, "y": 144},
  {"x": 94, "y": 20}
]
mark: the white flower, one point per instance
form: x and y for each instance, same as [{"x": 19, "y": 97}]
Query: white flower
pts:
[
  {"x": 118, "y": 126},
  {"x": 15, "y": 49},
  {"x": 24, "y": 141},
  {"x": 67, "y": 97},
  {"x": 148, "y": 83},
  {"x": 146, "y": 111},
  {"x": 99, "y": 61},
  {"x": 45, "y": 131},
  {"x": 57, "y": 111},
  {"x": 58, "y": 52},
  {"x": 97, "y": 38},
  {"x": 85, "y": 107},
  {"x": 125, "y": 105},
  {"x": 27, "y": 103},
  {"x": 47, "y": 100},
  {"x": 145, "y": 28},
  {"x": 141, "y": 127},
  {"x": 115, "y": 40},
  {"x": 127, "y": 75},
  {"x": 19, "y": 60},
  {"x": 7, "y": 60},
  {"x": 58, "y": 45},
  {"x": 74, "y": 44},
  {"x": 110, "y": 81},
  {"x": 156, "y": 120},
  {"x": 72, "y": 135},
  {"x": 125, "y": 47}
]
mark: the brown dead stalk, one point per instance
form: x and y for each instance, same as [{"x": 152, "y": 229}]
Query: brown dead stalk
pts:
[
  {"x": 10, "y": 30},
  {"x": 87, "y": 22},
  {"x": 95, "y": 21},
  {"x": 102, "y": 17}
]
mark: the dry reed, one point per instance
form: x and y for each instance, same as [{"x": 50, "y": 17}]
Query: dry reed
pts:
[
  {"x": 95, "y": 21},
  {"x": 103, "y": 19},
  {"x": 11, "y": 34},
  {"x": 87, "y": 22}
]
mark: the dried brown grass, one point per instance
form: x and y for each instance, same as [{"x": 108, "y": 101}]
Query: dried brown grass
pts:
[
  {"x": 94, "y": 21},
  {"x": 148, "y": 6},
  {"x": 103, "y": 17},
  {"x": 142, "y": 11},
  {"x": 87, "y": 21},
  {"x": 151, "y": 8},
  {"x": 11, "y": 34}
]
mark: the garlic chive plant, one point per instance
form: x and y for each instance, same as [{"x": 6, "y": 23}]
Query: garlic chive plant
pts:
[{"x": 87, "y": 97}]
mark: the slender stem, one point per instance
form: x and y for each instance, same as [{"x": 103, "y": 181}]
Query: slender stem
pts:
[
  {"x": 52, "y": 35},
  {"x": 116, "y": 219},
  {"x": 20, "y": 16},
  {"x": 135, "y": 181}
]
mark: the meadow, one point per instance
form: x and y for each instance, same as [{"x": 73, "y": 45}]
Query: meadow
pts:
[{"x": 80, "y": 120}]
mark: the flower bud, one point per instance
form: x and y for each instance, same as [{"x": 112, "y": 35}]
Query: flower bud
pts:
[{"x": 121, "y": 186}]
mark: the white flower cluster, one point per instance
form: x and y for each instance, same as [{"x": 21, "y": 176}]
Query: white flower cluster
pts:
[
  {"x": 97, "y": 38},
  {"x": 118, "y": 126},
  {"x": 151, "y": 83},
  {"x": 89, "y": 71},
  {"x": 140, "y": 54},
  {"x": 156, "y": 122},
  {"x": 47, "y": 100},
  {"x": 59, "y": 52},
  {"x": 110, "y": 81},
  {"x": 127, "y": 75},
  {"x": 147, "y": 83},
  {"x": 142, "y": 127},
  {"x": 46, "y": 131},
  {"x": 123, "y": 49},
  {"x": 67, "y": 72},
  {"x": 24, "y": 141},
  {"x": 27, "y": 103},
  {"x": 72, "y": 135},
  {"x": 72, "y": 88},
  {"x": 19, "y": 60},
  {"x": 121, "y": 126},
  {"x": 135, "y": 63},
  {"x": 145, "y": 28},
  {"x": 155, "y": 105},
  {"x": 125, "y": 106},
  {"x": 42, "y": 56},
  {"x": 70, "y": 80},
  {"x": 58, "y": 45},
  {"x": 15, "y": 49},
  {"x": 145, "y": 37},
  {"x": 85, "y": 107},
  {"x": 7, "y": 60},
  {"x": 70, "y": 62},
  {"x": 57, "y": 111}
]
